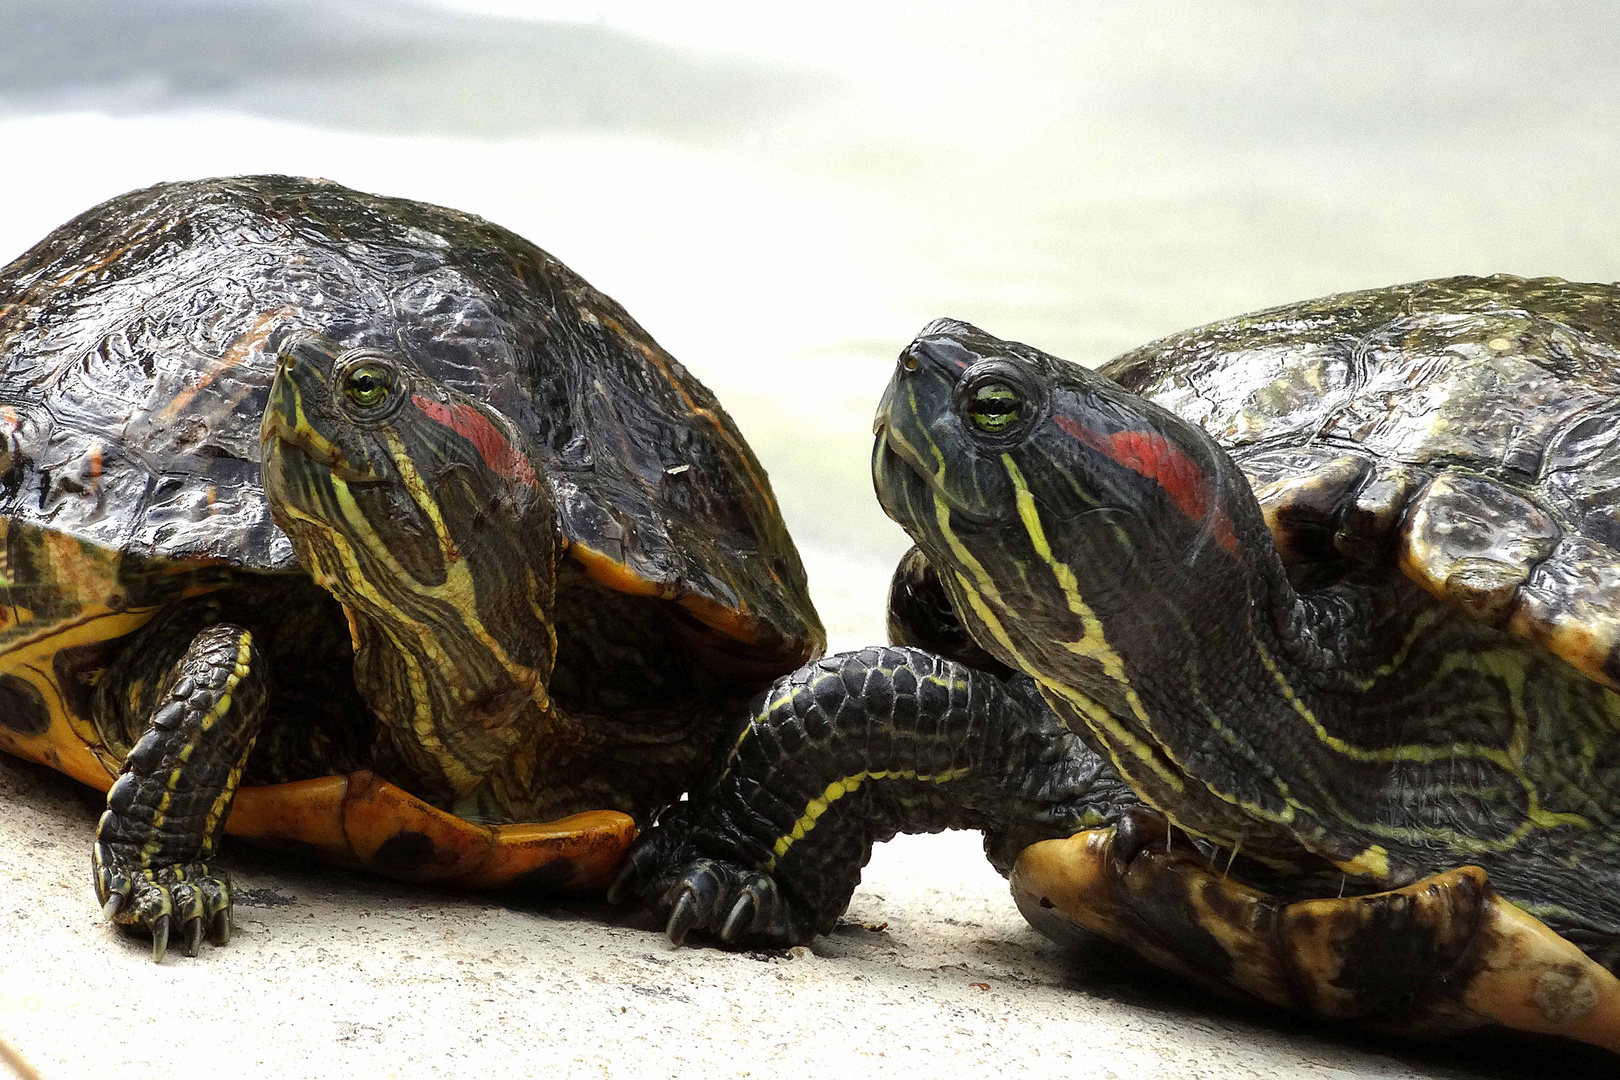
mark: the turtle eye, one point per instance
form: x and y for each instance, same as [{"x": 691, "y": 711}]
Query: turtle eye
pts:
[
  {"x": 994, "y": 407},
  {"x": 996, "y": 401},
  {"x": 368, "y": 385}
]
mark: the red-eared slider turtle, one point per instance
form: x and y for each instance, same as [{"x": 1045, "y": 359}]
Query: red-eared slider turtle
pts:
[
  {"x": 1383, "y": 731},
  {"x": 504, "y": 564}
]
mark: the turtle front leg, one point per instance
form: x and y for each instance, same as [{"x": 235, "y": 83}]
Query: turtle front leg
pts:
[
  {"x": 1440, "y": 956},
  {"x": 845, "y": 752},
  {"x": 167, "y": 809}
]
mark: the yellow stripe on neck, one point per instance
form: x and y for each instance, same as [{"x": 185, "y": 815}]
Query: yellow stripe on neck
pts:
[{"x": 1093, "y": 644}]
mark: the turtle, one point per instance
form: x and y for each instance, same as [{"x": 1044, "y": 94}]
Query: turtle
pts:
[
  {"x": 364, "y": 528},
  {"x": 1283, "y": 651}
]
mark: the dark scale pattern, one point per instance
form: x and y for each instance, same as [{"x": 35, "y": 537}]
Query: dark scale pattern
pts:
[
  {"x": 167, "y": 810},
  {"x": 846, "y": 752}
]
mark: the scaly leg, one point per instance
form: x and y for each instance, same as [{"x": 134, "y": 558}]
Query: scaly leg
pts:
[
  {"x": 848, "y": 751},
  {"x": 167, "y": 809}
]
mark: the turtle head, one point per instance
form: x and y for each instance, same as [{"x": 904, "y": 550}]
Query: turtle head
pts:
[
  {"x": 424, "y": 513},
  {"x": 1056, "y": 507}
]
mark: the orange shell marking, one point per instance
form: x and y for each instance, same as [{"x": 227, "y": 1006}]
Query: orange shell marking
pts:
[
  {"x": 736, "y": 623},
  {"x": 363, "y": 821},
  {"x": 1477, "y": 959}
]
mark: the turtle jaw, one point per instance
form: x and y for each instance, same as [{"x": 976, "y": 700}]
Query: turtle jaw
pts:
[
  {"x": 923, "y": 469},
  {"x": 298, "y": 465},
  {"x": 302, "y": 381}
]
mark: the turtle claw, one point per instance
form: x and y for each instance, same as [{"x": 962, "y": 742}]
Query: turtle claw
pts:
[
  {"x": 219, "y": 927},
  {"x": 113, "y": 888},
  {"x": 682, "y": 917},
  {"x": 189, "y": 901},
  {"x": 740, "y": 920},
  {"x": 1138, "y": 829},
  {"x": 759, "y": 912},
  {"x": 737, "y": 903},
  {"x": 160, "y": 938}
]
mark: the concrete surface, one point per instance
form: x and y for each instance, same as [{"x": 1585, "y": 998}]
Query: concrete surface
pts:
[{"x": 932, "y": 973}]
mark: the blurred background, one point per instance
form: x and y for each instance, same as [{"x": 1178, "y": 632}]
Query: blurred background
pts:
[{"x": 783, "y": 200}]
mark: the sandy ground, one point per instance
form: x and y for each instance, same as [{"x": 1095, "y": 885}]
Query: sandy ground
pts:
[{"x": 931, "y": 973}]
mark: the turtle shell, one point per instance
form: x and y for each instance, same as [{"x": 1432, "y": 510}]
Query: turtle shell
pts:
[
  {"x": 140, "y": 339},
  {"x": 140, "y": 342},
  {"x": 1469, "y": 425}
]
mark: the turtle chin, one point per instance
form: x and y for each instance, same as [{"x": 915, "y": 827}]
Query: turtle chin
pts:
[
  {"x": 278, "y": 439},
  {"x": 892, "y": 479},
  {"x": 300, "y": 493},
  {"x": 294, "y": 477},
  {"x": 914, "y": 497}
]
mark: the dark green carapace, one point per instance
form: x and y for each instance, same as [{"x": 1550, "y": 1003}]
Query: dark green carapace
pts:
[
  {"x": 1333, "y": 589},
  {"x": 363, "y": 527}
]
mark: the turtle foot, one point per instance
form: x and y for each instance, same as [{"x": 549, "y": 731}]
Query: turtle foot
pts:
[
  {"x": 166, "y": 810},
  {"x": 739, "y": 906},
  {"x": 187, "y": 900},
  {"x": 689, "y": 891}
]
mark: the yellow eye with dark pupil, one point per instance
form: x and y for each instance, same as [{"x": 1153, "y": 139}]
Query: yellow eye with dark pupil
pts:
[
  {"x": 367, "y": 386},
  {"x": 995, "y": 407}
]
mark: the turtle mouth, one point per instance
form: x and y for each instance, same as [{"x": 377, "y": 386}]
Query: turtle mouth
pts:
[
  {"x": 285, "y": 427},
  {"x": 906, "y": 485}
]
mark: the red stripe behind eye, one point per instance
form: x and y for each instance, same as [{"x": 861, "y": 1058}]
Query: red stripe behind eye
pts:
[
  {"x": 1149, "y": 454},
  {"x": 503, "y": 459}
]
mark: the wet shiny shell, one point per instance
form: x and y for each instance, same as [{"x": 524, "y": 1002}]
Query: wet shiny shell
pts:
[
  {"x": 139, "y": 339},
  {"x": 1466, "y": 429}
]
